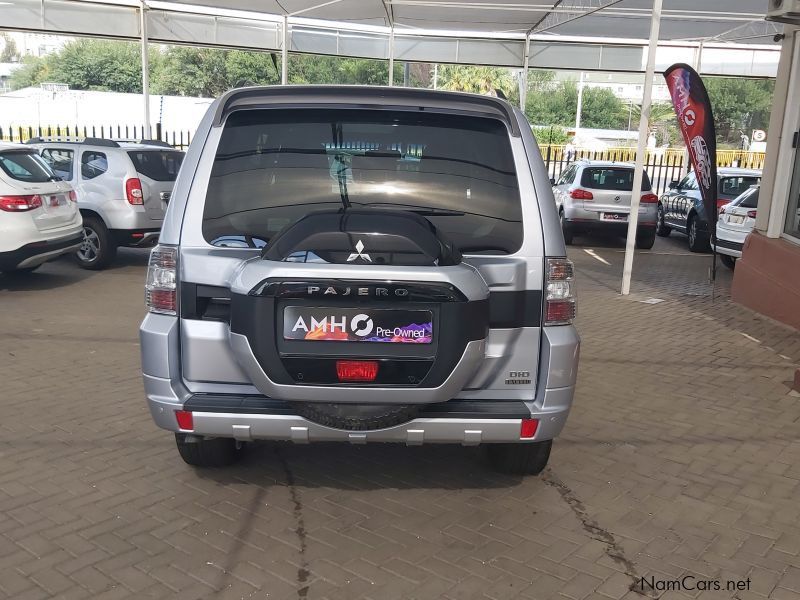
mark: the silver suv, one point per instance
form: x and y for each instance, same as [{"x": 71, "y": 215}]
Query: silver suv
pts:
[
  {"x": 361, "y": 265},
  {"x": 123, "y": 189},
  {"x": 595, "y": 196}
]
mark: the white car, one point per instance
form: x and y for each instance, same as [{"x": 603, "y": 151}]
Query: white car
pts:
[
  {"x": 736, "y": 221},
  {"x": 39, "y": 217}
]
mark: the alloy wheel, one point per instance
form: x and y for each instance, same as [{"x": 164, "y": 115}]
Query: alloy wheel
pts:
[{"x": 90, "y": 247}]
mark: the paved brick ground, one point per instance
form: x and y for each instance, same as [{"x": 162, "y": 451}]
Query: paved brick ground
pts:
[{"x": 681, "y": 457}]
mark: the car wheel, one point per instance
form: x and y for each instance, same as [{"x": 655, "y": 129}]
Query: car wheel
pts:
[
  {"x": 728, "y": 261},
  {"x": 97, "y": 250},
  {"x": 207, "y": 452},
  {"x": 645, "y": 239},
  {"x": 661, "y": 224},
  {"x": 697, "y": 241},
  {"x": 356, "y": 417},
  {"x": 519, "y": 459},
  {"x": 565, "y": 229}
]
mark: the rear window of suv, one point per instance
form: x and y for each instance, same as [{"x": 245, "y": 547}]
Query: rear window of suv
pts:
[
  {"x": 274, "y": 166},
  {"x": 159, "y": 165},
  {"x": 25, "y": 166},
  {"x": 611, "y": 178}
]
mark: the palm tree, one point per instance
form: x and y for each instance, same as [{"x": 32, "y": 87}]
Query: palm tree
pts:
[
  {"x": 662, "y": 117},
  {"x": 478, "y": 80}
]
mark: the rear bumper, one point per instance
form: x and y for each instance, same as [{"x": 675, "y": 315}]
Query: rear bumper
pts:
[
  {"x": 249, "y": 418},
  {"x": 36, "y": 253},
  {"x": 730, "y": 248},
  {"x": 136, "y": 237}
]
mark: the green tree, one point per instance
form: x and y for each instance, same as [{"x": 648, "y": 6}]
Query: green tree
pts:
[
  {"x": 739, "y": 105},
  {"x": 103, "y": 65},
  {"x": 9, "y": 52},
  {"x": 478, "y": 80},
  {"x": 557, "y": 104},
  {"x": 32, "y": 71}
]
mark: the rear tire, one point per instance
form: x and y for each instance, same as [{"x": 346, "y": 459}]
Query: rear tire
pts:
[
  {"x": 698, "y": 242},
  {"x": 645, "y": 239},
  {"x": 662, "y": 229},
  {"x": 519, "y": 459},
  {"x": 98, "y": 250},
  {"x": 356, "y": 417},
  {"x": 207, "y": 452},
  {"x": 565, "y": 229},
  {"x": 728, "y": 261}
]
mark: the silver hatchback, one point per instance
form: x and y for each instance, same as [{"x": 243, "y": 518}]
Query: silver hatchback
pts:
[{"x": 595, "y": 196}]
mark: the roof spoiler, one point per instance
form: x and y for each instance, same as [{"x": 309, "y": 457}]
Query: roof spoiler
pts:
[{"x": 294, "y": 96}]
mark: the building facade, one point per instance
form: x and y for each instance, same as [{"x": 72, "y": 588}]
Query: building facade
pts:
[{"x": 767, "y": 278}]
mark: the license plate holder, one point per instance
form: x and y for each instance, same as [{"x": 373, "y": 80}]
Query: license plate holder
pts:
[
  {"x": 735, "y": 219},
  {"x": 377, "y": 325},
  {"x": 615, "y": 217}
]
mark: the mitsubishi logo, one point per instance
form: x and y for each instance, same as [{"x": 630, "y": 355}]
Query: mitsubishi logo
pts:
[{"x": 359, "y": 253}]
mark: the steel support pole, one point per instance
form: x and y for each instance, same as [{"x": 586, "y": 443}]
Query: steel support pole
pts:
[
  {"x": 285, "y": 53},
  {"x": 636, "y": 195},
  {"x": 145, "y": 69},
  {"x": 580, "y": 105},
  {"x": 391, "y": 57},
  {"x": 523, "y": 92}
]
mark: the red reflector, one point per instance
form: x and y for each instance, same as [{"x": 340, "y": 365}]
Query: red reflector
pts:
[
  {"x": 560, "y": 311},
  {"x": 137, "y": 235},
  {"x": 185, "y": 421},
  {"x": 357, "y": 370},
  {"x": 528, "y": 428},
  {"x": 161, "y": 299}
]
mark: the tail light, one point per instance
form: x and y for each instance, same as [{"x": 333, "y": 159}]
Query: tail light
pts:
[
  {"x": 720, "y": 204},
  {"x": 133, "y": 190},
  {"x": 579, "y": 194},
  {"x": 649, "y": 199},
  {"x": 20, "y": 203},
  {"x": 73, "y": 197},
  {"x": 357, "y": 370},
  {"x": 161, "y": 289},
  {"x": 752, "y": 214},
  {"x": 559, "y": 292}
]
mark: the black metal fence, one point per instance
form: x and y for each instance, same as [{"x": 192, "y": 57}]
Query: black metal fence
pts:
[{"x": 179, "y": 139}]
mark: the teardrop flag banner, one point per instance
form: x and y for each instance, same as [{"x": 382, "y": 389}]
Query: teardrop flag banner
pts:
[{"x": 696, "y": 121}]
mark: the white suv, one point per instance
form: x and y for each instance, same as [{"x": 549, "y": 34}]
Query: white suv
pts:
[
  {"x": 39, "y": 218},
  {"x": 123, "y": 188}
]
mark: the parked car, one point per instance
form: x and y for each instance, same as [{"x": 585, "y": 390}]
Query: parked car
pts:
[
  {"x": 681, "y": 207},
  {"x": 736, "y": 221},
  {"x": 123, "y": 188},
  {"x": 595, "y": 196},
  {"x": 361, "y": 265},
  {"x": 39, "y": 218}
]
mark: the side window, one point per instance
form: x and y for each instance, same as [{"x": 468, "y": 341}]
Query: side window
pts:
[
  {"x": 567, "y": 176},
  {"x": 688, "y": 183},
  {"x": 93, "y": 164},
  {"x": 60, "y": 161}
]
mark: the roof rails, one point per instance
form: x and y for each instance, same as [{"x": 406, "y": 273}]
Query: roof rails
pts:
[
  {"x": 93, "y": 141},
  {"x": 147, "y": 142}
]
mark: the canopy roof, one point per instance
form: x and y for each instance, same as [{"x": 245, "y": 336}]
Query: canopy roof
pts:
[{"x": 604, "y": 35}]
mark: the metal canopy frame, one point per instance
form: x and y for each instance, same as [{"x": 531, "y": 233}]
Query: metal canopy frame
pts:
[{"x": 546, "y": 23}]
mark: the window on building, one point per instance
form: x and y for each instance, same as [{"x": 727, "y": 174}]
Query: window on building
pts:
[{"x": 792, "y": 226}]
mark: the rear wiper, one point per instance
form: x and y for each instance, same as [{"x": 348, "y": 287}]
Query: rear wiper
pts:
[{"x": 425, "y": 212}]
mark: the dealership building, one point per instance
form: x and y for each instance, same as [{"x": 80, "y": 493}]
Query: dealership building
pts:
[{"x": 767, "y": 278}]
